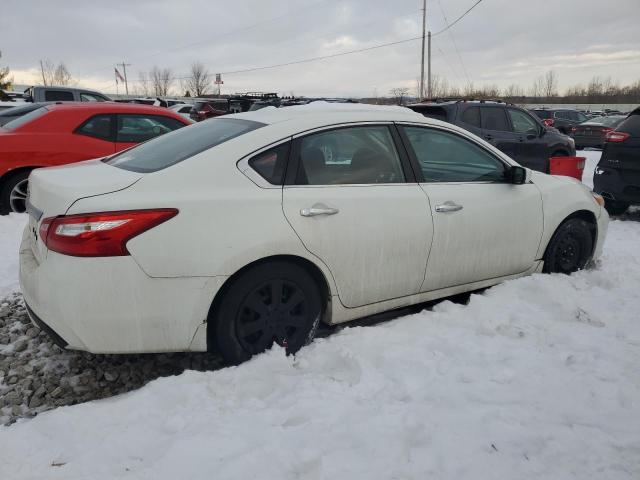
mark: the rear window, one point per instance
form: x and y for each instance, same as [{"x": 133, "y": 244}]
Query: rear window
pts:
[
  {"x": 24, "y": 119},
  {"x": 179, "y": 145},
  {"x": 631, "y": 124},
  {"x": 58, "y": 95},
  {"x": 439, "y": 113},
  {"x": 543, "y": 113}
]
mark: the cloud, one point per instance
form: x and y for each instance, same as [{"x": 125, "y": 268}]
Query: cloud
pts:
[{"x": 501, "y": 41}]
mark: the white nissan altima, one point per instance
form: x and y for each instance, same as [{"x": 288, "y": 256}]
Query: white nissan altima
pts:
[{"x": 250, "y": 229}]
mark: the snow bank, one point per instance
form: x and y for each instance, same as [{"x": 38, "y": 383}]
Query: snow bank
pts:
[
  {"x": 11, "y": 228},
  {"x": 535, "y": 378}
]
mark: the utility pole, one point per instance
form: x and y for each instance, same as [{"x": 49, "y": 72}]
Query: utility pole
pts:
[
  {"x": 124, "y": 70},
  {"x": 429, "y": 91},
  {"x": 424, "y": 27},
  {"x": 44, "y": 80}
]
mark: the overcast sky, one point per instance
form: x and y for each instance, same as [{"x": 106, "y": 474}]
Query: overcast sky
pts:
[{"x": 500, "y": 42}]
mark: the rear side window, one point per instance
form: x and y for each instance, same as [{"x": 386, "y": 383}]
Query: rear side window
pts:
[
  {"x": 495, "y": 119},
  {"x": 471, "y": 116},
  {"x": 140, "y": 128},
  {"x": 272, "y": 163},
  {"x": 98, "y": 126},
  {"x": 181, "y": 144},
  {"x": 58, "y": 95},
  {"x": 90, "y": 97}
]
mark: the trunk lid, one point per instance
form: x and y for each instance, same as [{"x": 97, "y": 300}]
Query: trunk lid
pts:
[{"x": 53, "y": 190}]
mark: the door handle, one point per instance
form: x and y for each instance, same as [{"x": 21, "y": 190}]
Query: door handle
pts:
[
  {"x": 318, "y": 209},
  {"x": 448, "y": 206}
]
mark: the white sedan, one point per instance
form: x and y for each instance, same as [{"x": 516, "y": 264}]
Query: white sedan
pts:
[{"x": 250, "y": 229}]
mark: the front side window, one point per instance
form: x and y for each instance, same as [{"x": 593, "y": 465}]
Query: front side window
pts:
[
  {"x": 494, "y": 119},
  {"x": 448, "y": 157},
  {"x": 98, "y": 126},
  {"x": 355, "y": 155},
  {"x": 140, "y": 128},
  {"x": 177, "y": 146},
  {"x": 58, "y": 96},
  {"x": 522, "y": 123}
]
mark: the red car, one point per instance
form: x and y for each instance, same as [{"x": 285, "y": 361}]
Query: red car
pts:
[{"x": 57, "y": 134}]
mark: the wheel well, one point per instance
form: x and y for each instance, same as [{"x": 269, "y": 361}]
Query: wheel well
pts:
[
  {"x": 588, "y": 217},
  {"x": 10, "y": 174},
  {"x": 309, "y": 266}
]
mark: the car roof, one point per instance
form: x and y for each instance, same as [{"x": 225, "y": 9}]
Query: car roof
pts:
[
  {"x": 325, "y": 113},
  {"x": 107, "y": 107}
]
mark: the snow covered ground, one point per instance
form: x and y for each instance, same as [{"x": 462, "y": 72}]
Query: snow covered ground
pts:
[
  {"x": 10, "y": 234},
  {"x": 534, "y": 378}
]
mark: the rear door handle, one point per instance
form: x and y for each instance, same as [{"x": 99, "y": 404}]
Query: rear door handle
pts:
[
  {"x": 448, "y": 206},
  {"x": 318, "y": 209}
]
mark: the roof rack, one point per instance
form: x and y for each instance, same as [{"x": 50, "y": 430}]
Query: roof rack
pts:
[{"x": 464, "y": 99}]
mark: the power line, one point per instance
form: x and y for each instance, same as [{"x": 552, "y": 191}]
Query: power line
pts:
[
  {"x": 453, "y": 40},
  {"x": 341, "y": 54},
  {"x": 458, "y": 19}
]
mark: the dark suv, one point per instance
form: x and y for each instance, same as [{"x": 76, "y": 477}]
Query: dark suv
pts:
[
  {"x": 561, "y": 118},
  {"x": 209, "y": 108},
  {"x": 509, "y": 128},
  {"x": 617, "y": 176}
]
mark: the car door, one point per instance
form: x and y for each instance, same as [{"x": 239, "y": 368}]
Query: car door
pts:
[
  {"x": 95, "y": 137},
  {"x": 497, "y": 131},
  {"x": 484, "y": 227},
  {"x": 351, "y": 198},
  {"x": 137, "y": 128},
  {"x": 532, "y": 147}
]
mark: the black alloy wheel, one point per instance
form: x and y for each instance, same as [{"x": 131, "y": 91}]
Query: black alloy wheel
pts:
[
  {"x": 276, "y": 302},
  {"x": 570, "y": 247}
]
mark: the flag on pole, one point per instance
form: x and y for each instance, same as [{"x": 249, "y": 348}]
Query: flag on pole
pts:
[{"x": 118, "y": 76}]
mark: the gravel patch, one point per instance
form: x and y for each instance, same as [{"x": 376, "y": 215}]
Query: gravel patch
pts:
[{"x": 36, "y": 375}]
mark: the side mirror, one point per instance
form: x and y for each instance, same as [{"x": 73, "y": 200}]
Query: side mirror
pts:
[{"x": 519, "y": 175}]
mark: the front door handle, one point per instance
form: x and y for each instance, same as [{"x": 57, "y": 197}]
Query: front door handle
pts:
[
  {"x": 448, "y": 206},
  {"x": 318, "y": 209}
]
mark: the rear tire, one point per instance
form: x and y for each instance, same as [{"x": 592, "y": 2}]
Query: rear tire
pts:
[
  {"x": 13, "y": 194},
  {"x": 276, "y": 302},
  {"x": 615, "y": 207},
  {"x": 570, "y": 247}
]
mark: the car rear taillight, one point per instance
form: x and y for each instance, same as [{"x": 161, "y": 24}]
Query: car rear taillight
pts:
[
  {"x": 548, "y": 122},
  {"x": 616, "y": 137},
  {"x": 573, "y": 129},
  {"x": 103, "y": 234},
  {"x": 606, "y": 130}
]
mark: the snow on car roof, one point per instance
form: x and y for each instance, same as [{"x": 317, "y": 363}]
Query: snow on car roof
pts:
[{"x": 323, "y": 110}]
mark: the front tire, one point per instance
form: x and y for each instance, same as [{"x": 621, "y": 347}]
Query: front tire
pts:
[
  {"x": 276, "y": 302},
  {"x": 570, "y": 247},
  {"x": 13, "y": 195}
]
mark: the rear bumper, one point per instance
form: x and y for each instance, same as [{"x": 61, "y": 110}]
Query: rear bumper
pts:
[
  {"x": 588, "y": 141},
  {"x": 109, "y": 305},
  {"x": 610, "y": 184}
]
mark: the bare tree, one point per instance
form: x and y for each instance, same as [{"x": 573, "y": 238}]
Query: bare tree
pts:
[
  {"x": 514, "y": 91},
  {"x": 398, "y": 94},
  {"x": 53, "y": 74},
  {"x": 199, "y": 82},
  {"x": 550, "y": 84},
  {"x": 162, "y": 80},
  {"x": 143, "y": 87},
  {"x": 5, "y": 81},
  {"x": 537, "y": 89}
]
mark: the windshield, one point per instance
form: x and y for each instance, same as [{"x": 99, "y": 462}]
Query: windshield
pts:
[
  {"x": 181, "y": 144},
  {"x": 24, "y": 119}
]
